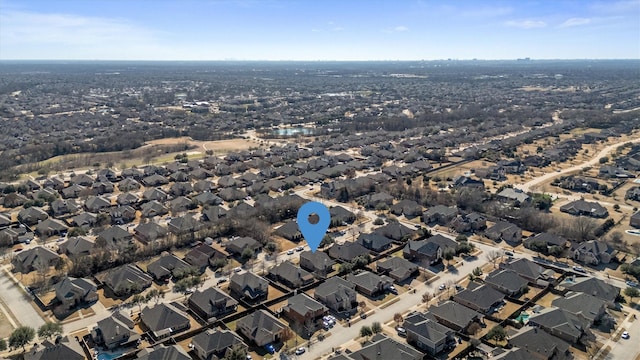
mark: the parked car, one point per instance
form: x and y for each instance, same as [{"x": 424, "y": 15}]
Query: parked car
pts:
[
  {"x": 579, "y": 269},
  {"x": 237, "y": 269},
  {"x": 300, "y": 248},
  {"x": 270, "y": 348},
  {"x": 300, "y": 351},
  {"x": 401, "y": 331},
  {"x": 393, "y": 290},
  {"x": 290, "y": 252},
  {"x": 625, "y": 335},
  {"x": 508, "y": 253},
  {"x": 442, "y": 287}
]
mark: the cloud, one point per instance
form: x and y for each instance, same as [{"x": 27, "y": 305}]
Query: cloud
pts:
[
  {"x": 33, "y": 35},
  {"x": 623, "y": 6},
  {"x": 575, "y": 22},
  {"x": 397, "y": 29},
  {"x": 487, "y": 12},
  {"x": 526, "y": 24}
]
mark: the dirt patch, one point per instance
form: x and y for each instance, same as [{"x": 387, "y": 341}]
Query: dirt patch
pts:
[{"x": 5, "y": 326}]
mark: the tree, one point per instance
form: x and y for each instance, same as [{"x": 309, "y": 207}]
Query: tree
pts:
[
  {"x": 21, "y": 337},
  {"x": 3, "y": 345},
  {"x": 632, "y": 292},
  {"x": 397, "y": 317},
  {"x": 448, "y": 255},
  {"x": 603, "y": 160},
  {"x": 286, "y": 335},
  {"x": 236, "y": 352},
  {"x": 497, "y": 333},
  {"x": 138, "y": 299},
  {"x": 474, "y": 328},
  {"x": 155, "y": 294},
  {"x": 365, "y": 331},
  {"x": 493, "y": 256},
  {"x": 376, "y": 328},
  {"x": 50, "y": 329},
  {"x": 247, "y": 254},
  {"x": 378, "y": 221}
]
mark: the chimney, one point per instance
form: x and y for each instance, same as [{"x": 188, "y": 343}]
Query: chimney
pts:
[{"x": 117, "y": 329}]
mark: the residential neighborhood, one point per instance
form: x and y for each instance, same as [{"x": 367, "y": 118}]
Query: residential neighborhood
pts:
[{"x": 449, "y": 238}]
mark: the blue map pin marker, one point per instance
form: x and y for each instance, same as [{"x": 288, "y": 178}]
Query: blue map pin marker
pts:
[{"x": 313, "y": 233}]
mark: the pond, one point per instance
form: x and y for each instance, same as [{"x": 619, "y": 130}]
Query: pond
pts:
[{"x": 293, "y": 131}]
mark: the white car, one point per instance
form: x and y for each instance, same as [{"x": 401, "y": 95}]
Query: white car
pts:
[
  {"x": 290, "y": 252},
  {"x": 237, "y": 269},
  {"x": 625, "y": 335},
  {"x": 441, "y": 287},
  {"x": 300, "y": 351}
]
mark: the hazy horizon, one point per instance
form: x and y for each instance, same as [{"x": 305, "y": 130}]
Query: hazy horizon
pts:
[{"x": 286, "y": 30}]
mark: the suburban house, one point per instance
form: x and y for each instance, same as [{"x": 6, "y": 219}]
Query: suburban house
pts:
[
  {"x": 199, "y": 256},
  {"x": 148, "y": 232},
  {"x": 530, "y": 271},
  {"x": 72, "y": 292},
  {"x": 532, "y": 343},
  {"x": 260, "y": 327},
  {"x": 127, "y": 279},
  {"x": 115, "y": 331},
  {"x": 425, "y": 333},
  {"x": 50, "y": 227},
  {"x": 290, "y": 275},
  {"x": 397, "y": 268},
  {"x": 166, "y": 266},
  {"x": 238, "y": 245},
  {"x": 370, "y": 284},
  {"x": 634, "y": 220},
  {"x": 153, "y": 208},
  {"x": 560, "y": 323},
  {"x": 164, "y": 320},
  {"x": 396, "y": 231},
  {"x": 374, "y": 242},
  {"x": 507, "y": 282},
  {"x": 469, "y": 222},
  {"x": 76, "y": 246},
  {"x": 67, "y": 348},
  {"x": 406, "y": 207},
  {"x": 249, "y": 286},
  {"x": 383, "y": 347},
  {"x": 454, "y": 316},
  {"x": 430, "y": 251},
  {"x": 439, "y": 214},
  {"x": 173, "y": 352},
  {"x": 318, "y": 262},
  {"x": 348, "y": 251},
  {"x": 182, "y": 225},
  {"x": 586, "y": 208},
  {"x": 338, "y": 295},
  {"x": 32, "y": 215},
  {"x": 213, "y": 344},
  {"x": 593, "y": 252},
  {"x": 504, "y": 231},
  {"x": 546, "y": 239},
  {"x": 482, "y": 298},
  {"x": 341, "y": 216},
  {"x": 585, "y": 306},
  {"x": 289, "y": 231},
  {"x": 114, "y": 235},
  {"x": 305, "y": 312},
  {"x": 28, "y": 260},
  {"x": 513, "y": 196},
  {"x": 211, "y": 303},
  {"x": 596, "y": 287}
]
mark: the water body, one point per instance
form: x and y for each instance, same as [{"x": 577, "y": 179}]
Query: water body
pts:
[{"x": 293, "y": 131}]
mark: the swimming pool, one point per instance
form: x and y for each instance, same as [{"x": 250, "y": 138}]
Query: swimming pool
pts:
[{"x": 109, "y": 355}]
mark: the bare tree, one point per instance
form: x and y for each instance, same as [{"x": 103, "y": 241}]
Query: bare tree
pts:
[{"x": 493, "y": 256}]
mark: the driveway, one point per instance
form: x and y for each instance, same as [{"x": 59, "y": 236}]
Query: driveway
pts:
[{"x": 16, "y": 301}]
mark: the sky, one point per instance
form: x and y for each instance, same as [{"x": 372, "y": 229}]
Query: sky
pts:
[{"x": 318, "y": 29}]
